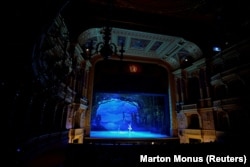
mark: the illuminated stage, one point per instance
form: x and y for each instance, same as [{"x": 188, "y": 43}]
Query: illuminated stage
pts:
[
  {"x": 126, "y": 134},
  {"x": 131, "y": 117},
  {"x": 126, "y": 137}
]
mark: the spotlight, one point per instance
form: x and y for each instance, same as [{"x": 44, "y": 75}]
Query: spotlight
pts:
[{"x": 216, "y": 49}]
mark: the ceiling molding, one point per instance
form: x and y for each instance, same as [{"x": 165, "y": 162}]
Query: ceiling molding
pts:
[{"x": 147, "y": 45}]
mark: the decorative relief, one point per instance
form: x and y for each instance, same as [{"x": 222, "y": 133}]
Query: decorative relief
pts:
[
  {"x": 182, "y": 120},
  {"x": 207, "y": 120},
  {"x": 156, "y": 45},
  {"x": 137, "y": 42}
]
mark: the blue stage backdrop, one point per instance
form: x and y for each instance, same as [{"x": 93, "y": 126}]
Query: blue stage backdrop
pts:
[{"x": 129, "y": 115}]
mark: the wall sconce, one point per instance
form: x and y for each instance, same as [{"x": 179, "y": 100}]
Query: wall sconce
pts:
[{"x": 87, "y": 50}]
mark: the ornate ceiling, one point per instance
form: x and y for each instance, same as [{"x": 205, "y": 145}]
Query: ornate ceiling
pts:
[{"x": 149, "y": 45}]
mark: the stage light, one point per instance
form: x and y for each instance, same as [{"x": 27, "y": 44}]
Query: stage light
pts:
[{"x": 216, "y": 49}]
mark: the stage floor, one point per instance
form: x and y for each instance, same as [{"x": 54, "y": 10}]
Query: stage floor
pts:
[
  {"x": 126, "y": 134},
  {"x": 126, "y": 137}
]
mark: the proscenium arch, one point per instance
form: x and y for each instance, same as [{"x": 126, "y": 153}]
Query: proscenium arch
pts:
[
  {"x": 153, "y": 48},
  {"x": 173, "y": 131}
]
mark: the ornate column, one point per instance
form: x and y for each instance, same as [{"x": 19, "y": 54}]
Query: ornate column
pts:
[
  {"x": 183, "y": 86},
  {"x": 206, "y": 83},
  {"x": 86, "y": 78},
  {"x": 177, "y": 89}
]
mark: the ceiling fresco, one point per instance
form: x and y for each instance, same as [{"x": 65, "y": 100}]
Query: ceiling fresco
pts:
[{"x": 143, "y": 44}]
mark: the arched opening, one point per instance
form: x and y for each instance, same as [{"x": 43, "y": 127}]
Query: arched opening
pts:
[
  {"x": 193, "y": 90},
  {"x": 220, "y": 92},
  {"x": 223, "y": 121},
  {"x": 130, "y": 101},
  {"x": 194, "y": 122}
]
